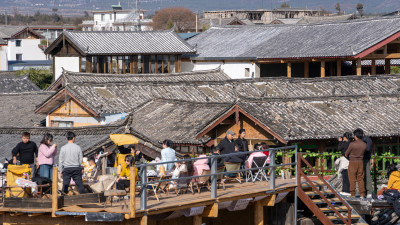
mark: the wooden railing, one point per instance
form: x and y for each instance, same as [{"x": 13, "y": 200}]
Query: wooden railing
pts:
[{"x": 301, "y": 174}]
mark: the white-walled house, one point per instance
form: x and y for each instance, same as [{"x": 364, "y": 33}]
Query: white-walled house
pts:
[
  {"x": 118, "y": 19},
  {"x": 20, "y": 48}
]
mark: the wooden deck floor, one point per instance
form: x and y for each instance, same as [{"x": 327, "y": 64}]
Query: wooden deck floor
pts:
[{"x": 233, "y": 191}]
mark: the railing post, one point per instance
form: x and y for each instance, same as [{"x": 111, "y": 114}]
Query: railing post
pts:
[
  {"x": 132, "y": 188},
  {"x": 54, "y": 192},
  {"x": 143, "y": 190},
  {"x": 297, "y": 185},
  {"x": 272, "y": 170},
  {"x": 213, "y": 178}
]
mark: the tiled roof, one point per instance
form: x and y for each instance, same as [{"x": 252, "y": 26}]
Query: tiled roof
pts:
[
  {"x": 7, "y": 31},
  {"x": 340, "y": 39},
  {"x": 125, "y": 42},
  {"x": 18, "y": 109},
  {"x": 11, "y": 83},
  {"x": 178, "y": 121},
  {"x": 323, "y": 19}
]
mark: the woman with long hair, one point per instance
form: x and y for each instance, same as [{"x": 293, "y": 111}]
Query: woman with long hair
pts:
[
  {"x": 46, "y": 154},
  {"x": 124, "y": 178}
]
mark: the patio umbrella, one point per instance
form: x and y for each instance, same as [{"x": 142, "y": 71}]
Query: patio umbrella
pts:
[{"x": 123, "y": 139}]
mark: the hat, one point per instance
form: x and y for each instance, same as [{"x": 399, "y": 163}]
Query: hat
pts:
[{"x": 230, "y": 132}]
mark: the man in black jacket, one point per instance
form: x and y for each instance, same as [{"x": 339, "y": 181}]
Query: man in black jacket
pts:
[
  {"x": 227, "y": 145},
  {"x": 367, "y": 166},
  {"x": 27, "y": 151}
]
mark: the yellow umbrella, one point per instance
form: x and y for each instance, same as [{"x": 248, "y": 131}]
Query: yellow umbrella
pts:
[{"x": 123, "y": 139}]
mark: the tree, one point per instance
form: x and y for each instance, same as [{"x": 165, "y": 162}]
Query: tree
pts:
[
  {"x": 170, "y": 24},
  {"x": 41, "y": 77},
  {"x": 360, "y": 9},
  {"x": 285, "y": 5},
  {"x": 337, "y": 8},
  {"x": 183, "y": 18}
]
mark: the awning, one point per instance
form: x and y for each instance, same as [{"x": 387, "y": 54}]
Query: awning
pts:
[{"x": 123, "y": 139}]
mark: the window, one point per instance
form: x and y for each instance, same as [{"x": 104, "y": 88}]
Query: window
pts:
[
  {"x": 102, "y": 17},
  {"x": 55, "y": 123},
  {"x": 247, "y": 72},
  {"x": 18, "y": 57},
  {"x": 18, "y": 43}
]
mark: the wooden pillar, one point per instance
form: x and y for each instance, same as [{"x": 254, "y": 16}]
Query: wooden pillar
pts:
[
  {"x": 387, "y": 66},
  {"x": 321, "y": 149},
  {"x": 322, "y": 68},
  {"x": 143, "y": 220},
  {"x": 54, "y": 193},
  {"x": 339, "y": 68},
  {"x": 80, "y": 64},
  {"x": 169, "y": 64},
  {"x": 132, "y": 188},
  {"x": 178, "y": 64},
  {"x": 197, "y": 220},
  {"x": 306, "y": 69},
  {"x": 289, "y": 69},
  {"x": 143, "y": 62},
  {"x": 358, "y": 67},
  {"x": 88, "y": 64},
  {"x": 123, "y": 65},
  {"x": 373, "y": 67},
  {"x": 258, "y": 213},
  {"x": 103, "y": 165},
  {"x": 155, "y": 64}
]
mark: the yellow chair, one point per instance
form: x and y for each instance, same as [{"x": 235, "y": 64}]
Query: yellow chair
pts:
[{"x": 13, "y": 173}]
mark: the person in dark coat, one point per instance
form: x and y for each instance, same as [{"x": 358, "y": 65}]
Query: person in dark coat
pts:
[
  {"x": 220, "y": 160},
  {"x": 242, "y": 141},
  {"x": 367, "y": 166},
  {"x": 234, "y": 158},
  {"x": 227, "y": 145},
  {"x": 344, "y": 142}
]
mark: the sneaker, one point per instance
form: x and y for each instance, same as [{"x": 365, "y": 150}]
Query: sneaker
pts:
[
  {"x": 369, "y": 195},
  {"x": 345, "y": 193}
]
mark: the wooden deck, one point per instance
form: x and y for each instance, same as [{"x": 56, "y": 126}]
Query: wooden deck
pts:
[{"x": 172, "y": 202}]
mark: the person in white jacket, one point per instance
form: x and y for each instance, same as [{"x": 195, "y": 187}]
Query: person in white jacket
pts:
[{"x": 341, "y": 166}]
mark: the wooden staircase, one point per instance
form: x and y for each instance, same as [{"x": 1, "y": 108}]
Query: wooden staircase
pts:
[{"x": 323, "y": 200}]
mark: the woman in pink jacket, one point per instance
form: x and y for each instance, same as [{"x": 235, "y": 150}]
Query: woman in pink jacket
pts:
[
  {"x": 200, "y": 165},
  {"x": 46, "y": 154}
]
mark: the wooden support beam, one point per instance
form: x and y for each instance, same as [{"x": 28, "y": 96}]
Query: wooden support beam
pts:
[
  {"x": 258, "y": 213},
  {"x": 132, "y": 192},
  {"x": 373, "y": 67},
  {"x": 289, "y": 69},
  {"x": 339, "y": 68},
  {"x": 269, "y": 200},
  {"x": 358, "y": 67},
  {"x": 54, "y": 193},
  {"x": 306, "y": 69},
  {"x": 322, "y": 68},
  {"x": 211, "y": 211},
  {"x": 143, "y": 220},
  {"x": 387, "y": 66},
  {"x": 197, "y": 220}
]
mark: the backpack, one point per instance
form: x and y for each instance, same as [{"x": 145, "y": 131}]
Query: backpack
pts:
[{"x": 391, "y": 195}]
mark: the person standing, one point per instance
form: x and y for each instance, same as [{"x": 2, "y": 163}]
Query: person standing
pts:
[
  {"x": 70, "y": 161},
  {"x": 168, "y": 154},
  {"x": 343, "y": 163},
  {"x": 27, "y": 151},
  {"x": 367, "y": 166},
  {"x": 355, "y": 153},
  {"x": 46, "y": 155},
  {"x": 227, "y": 145},
  {"x": 241, "y": 141}
]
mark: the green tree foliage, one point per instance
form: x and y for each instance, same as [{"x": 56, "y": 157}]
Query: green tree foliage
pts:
[
  {"x": 183, "y": 19},
  {"x": 395, "y": 70},
  {"x": 285, "y": 5},
  {"x": 41, "y": 77},
  {"x": 337, "y": 8},
  {"x": 360, "y": 9},
  {"x": 170, "y": 24}
]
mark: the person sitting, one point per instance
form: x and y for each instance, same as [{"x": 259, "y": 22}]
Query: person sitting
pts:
[
  {"x": 394, "y": 179},
  {"x": 253, "y": 155},
  {"x": 233, "y": 162},
  {"x": 180, "y": 167},
  {"x": 124, "y": 178},
  {"x": 200, "y": 165},
  {"x": 88, "y": 170}
]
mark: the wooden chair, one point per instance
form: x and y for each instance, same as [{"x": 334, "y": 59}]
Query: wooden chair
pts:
[
  {"x": 203, "y": 181},
  {"x": 158, "y": 187},
  {"x": 184, "y": 184},
  {"x": 232, "y": 167}
]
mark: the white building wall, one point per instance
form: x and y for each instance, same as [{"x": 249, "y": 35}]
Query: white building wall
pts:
[
  {"x": 187, "y": 66},
  {"x": 108, "y": 21},
  {"x": 3, "y": 58},
  {"x": 29, "y": 49},
  {"x": 68, "y": 63},
  {"x": 236, "y": 70}
]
